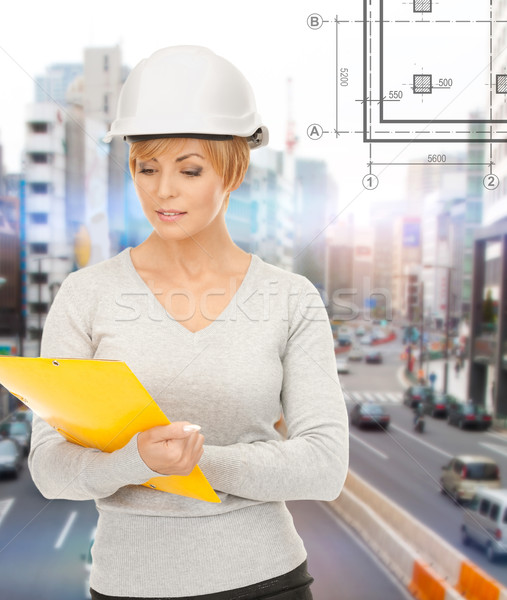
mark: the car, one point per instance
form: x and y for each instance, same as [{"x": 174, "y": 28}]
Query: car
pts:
[
  {"x": 369, "y": 414},
  {"x": 415, "y": 394},
  {"x": 356, "y": 353},
  {"x": 366, "y": 340},
  {"x": 360, "y": 331},
  {"x": 344, "y": 340},
  {"x": 342, "y": 365},
  {"x": 484, "y": 522},
  {"x": 11, "y": 457},
  {"x": 464, "y": 474},
  {"x": 469, "y": 416},
  {"x": 20, "y": 431},
  {"x": 437, "y": 404},
  {"x": 373, "y": 357}
]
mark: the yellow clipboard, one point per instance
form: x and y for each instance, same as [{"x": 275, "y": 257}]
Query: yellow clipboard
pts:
[{"x": 97, "y": 404}]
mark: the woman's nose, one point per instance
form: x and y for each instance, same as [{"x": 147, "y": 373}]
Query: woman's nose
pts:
[{"x": 166, "y": 186}]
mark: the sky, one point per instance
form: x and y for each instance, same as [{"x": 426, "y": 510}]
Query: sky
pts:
[{"x": 269, "y": 41}]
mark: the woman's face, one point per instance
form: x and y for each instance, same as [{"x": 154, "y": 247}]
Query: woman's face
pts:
[{"x": 181, "y": 180}]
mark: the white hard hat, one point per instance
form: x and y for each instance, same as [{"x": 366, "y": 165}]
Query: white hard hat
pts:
[{"x": 187, "y": 91}]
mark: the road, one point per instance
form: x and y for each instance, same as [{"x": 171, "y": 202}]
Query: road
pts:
[
  {"x": 406, "y": 466},
  {"x": 42, "y": 543}
]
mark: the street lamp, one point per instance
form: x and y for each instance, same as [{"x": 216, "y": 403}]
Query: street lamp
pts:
[{"x": 447, "y": 320}]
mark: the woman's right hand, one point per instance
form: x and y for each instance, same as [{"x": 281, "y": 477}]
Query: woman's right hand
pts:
[{"x": 170, "y": 449}]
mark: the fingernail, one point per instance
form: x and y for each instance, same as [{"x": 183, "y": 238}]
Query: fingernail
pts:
[{"x": 191, "y": 428}]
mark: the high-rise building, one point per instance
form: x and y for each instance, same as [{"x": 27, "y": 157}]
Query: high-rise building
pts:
[
  {"x": 487, "y": 382},
  {"x": 260, "y": 212},
  {"x": 74, "y": 183},
  {"x": 47, "y": 250},
  {"x": 315, "y": 194}
]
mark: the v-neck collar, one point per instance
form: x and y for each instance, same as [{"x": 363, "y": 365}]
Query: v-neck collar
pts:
[{"x": 178, "y": 327}]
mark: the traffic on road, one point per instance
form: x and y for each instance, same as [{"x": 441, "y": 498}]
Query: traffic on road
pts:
[
  {"x": 457, "y": 455},
  {"x": 55, "y": 537}
]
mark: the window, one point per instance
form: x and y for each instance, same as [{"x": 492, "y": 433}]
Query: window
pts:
[
  {"x": 38, "y": 308},
  {"x": 495, "y": 511},
  {"x": 482, "y": 472},
  {"x": 38, "y": 218},
  {"x": 38, "y": 248},
  {"x": 39, "y": 158},
  {"x": 39, "y": 188},
  {"x": 38, "y": 278},
  {"x": 39, "y": 127},
  {"x": 484, "y": 507}
]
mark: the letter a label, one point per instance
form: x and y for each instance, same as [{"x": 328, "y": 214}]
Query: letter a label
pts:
[{"x": 314, "y": 131}]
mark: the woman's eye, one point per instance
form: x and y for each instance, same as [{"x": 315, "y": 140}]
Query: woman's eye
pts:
[
  {"x": 146, "y": 171},
  {"x": 192, "y": 172}
]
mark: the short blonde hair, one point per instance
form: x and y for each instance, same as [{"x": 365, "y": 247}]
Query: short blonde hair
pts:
[{"x": 229, "y": 158}]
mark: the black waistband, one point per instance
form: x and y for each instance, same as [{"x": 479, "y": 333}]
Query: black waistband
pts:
[{"x": 283, "y": 587}]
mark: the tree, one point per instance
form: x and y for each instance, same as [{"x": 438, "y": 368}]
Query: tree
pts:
[{"x": 488, "y": 310}]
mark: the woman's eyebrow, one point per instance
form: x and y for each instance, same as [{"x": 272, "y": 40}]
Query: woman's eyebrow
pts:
[{"x": 185, "y": 156}]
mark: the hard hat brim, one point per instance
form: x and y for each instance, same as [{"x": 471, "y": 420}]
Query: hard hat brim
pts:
[{"x": 258, "y": 139}]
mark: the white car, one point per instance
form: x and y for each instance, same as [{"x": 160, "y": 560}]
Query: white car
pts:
[
  {"x": 342, "y": 365},
  {"x": 356, "y": 353}
]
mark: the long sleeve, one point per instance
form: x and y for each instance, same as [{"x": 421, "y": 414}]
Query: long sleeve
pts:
[
  {"x": 59, "y": 468},
  {"x": 312, "y": 462}
]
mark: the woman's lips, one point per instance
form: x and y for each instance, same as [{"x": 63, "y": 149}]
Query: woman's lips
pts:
[{"x": 170, "y": 218}]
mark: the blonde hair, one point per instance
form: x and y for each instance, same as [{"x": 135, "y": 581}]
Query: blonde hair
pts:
[{"x": 229, "y": 158}]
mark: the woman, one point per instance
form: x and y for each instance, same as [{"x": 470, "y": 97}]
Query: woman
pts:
[{"x": 223, "y": 341}]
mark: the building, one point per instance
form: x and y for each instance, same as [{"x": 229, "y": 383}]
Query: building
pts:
[
  {"x": 47, "y": 251},
  {"x": 10, "y": 282},
  {"x": 260, "y": 212},
  {"x": 75, "y": 185},
  {"x": 339, "y": 265},
  {"x": 406, "y": 265},
  {"x": 53, "y": 85},
  {"x": 315, "y": 210},
  {"x": 487, "y": 382},
  {"x": 385, "y": 278}
]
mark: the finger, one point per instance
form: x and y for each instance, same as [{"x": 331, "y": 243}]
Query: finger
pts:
[
  {"x": 176, "y": 430},
  {"x": 192, "y": 443}
]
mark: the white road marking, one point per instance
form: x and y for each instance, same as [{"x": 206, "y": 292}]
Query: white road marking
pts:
[
  {"x": 498, "y": 436},
  {"x": 4, "y": 507},
  {"x": 495, "y": 447},
  {"x": 381, "y": 454},
  {"x": 65, "y": 531},
  {"x": 373, "y": 396},
  {"x": 421, "y": 441}
]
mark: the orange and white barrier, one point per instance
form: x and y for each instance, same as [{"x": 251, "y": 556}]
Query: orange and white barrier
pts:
[{"x": 426, "y": 564}]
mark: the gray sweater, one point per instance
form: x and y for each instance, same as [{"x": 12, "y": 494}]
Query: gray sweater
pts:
[{"x": 270, "y": 350}]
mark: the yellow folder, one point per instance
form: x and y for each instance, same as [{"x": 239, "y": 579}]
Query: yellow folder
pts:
[{"x": 97, "y": 404}]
